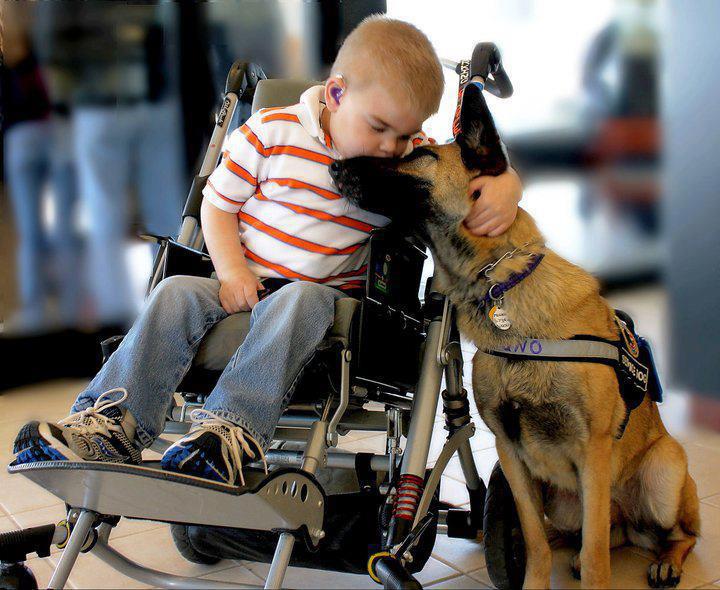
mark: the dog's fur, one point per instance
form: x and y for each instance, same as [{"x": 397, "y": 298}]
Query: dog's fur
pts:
[{"x": 554, "y": 422}]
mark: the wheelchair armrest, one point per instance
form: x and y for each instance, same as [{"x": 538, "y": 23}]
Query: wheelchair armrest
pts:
[
  {"x": 347, "y": 315},
  {"x": 179, "y": 259}
]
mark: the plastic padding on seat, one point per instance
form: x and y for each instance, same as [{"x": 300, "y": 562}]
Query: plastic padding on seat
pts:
[
  {"x": 345, "y": 312},
  {"x": 279, "y": 93},
  {"x": 221, "y": 342},
  {"x": 223, "y": 339}
]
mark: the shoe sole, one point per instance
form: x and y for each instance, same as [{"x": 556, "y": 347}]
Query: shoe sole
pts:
[{"x": 42, "y": 441}]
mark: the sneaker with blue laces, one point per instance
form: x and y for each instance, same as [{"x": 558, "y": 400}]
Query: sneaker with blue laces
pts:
[
  {"x": 103, "y": 432},
  {"x": 214, "y": 449}
]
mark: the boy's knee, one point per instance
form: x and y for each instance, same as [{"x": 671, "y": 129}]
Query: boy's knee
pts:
[
  {"x": 301, "y": 290},
  {"x": 303, "y": 295},
  {"x": 180, "y": 288}
]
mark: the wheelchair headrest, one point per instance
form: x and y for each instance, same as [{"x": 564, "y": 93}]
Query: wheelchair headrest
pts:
[{"x": 279, "y": 93}]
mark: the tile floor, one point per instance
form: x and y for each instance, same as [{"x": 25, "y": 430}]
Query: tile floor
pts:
[{"x": 455, "y": 563}]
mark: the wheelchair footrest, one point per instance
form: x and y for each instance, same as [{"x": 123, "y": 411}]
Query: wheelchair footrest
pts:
[{"x": 287, "y": 499}]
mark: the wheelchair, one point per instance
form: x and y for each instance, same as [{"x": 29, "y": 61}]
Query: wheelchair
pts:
[{"x": 380, "y": 369}]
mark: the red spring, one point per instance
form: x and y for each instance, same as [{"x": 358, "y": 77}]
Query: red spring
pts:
[{"x": 409, "y": 491}]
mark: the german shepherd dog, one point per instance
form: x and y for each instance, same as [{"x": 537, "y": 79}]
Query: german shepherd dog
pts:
[{"x": 555, "y": 423}]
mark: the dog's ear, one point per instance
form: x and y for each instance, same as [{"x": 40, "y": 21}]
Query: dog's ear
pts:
[{"x": 479, "y": 140}]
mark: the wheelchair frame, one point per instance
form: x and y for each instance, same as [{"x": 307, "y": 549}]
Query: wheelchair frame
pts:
[{"x": 289, "y": 500}]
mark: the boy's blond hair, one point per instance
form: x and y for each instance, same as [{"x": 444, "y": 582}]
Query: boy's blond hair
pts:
[{"x": 397, "y": 54}]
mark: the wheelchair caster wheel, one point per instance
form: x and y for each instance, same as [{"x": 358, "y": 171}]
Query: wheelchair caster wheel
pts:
[
  {"x": 504, "y": 543},
  {"x": 16, "y": 576},
  {"x": 185, "y": 547}
]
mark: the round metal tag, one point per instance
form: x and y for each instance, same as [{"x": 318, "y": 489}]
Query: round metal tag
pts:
[{"x": 499, "y": 317}]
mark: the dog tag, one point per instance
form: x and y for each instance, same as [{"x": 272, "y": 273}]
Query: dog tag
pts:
[{"x": 499, "y": 317}]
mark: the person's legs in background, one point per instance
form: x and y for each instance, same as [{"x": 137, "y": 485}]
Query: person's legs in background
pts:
[
  {"x": 65, "y": 238},
  {"x": 162, "y": 186},
  {"x": 102, "y": 140},
  {"x": 26, "y": 169}
]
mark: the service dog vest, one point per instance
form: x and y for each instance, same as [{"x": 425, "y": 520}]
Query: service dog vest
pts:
[{"x": 630, "y": 357}]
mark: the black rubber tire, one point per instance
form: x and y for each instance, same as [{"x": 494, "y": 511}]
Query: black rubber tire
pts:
[
  {"x": 185, "y": 547},
  {"x": 16, "y": 576},
  {"x": 504, "y": 543}
]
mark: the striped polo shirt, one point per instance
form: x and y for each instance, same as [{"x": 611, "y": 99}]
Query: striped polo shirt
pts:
[{"x": 293, "y": 223}]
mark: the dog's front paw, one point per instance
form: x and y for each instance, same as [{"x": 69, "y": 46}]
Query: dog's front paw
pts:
[
  {"x": 575, "y": 566},
  {"x": 663, "y": 574}
]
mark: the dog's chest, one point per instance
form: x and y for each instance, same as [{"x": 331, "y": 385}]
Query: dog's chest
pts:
[{"x": 547, "y": 436}]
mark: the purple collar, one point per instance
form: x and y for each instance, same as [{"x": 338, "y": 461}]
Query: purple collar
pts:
[{"x": 498, "y": 290}]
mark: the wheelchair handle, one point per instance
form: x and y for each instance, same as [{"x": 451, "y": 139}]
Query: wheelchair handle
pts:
[
  {"x": 485, "y": 67},
  {"x": 243, "y": 78},
  {"x": 487, "y": 64},
  {"x": 485, "y": 70}
]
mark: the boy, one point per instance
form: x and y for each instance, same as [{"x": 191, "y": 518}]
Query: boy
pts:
[{"x": 270, "y": 210}]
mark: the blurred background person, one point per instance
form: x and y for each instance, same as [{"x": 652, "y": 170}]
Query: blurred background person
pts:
[
  {"x": 40, "y": 181},
  {"x": 126, "y": 129}
]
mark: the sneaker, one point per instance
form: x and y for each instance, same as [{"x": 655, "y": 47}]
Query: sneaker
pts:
[
  {"x": 214, "y": 449},
  {"x": 103, "y": 432}
]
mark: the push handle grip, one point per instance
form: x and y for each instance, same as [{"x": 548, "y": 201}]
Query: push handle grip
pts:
[
  {"x": 487, "y": 63},
  {"x": 243, "y": 76}
]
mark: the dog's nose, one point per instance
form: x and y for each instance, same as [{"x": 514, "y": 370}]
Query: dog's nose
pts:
[{"x": 335, "y": 167}]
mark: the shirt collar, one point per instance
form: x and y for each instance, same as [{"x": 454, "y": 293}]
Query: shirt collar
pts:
[{"x": 313, "y": 102}]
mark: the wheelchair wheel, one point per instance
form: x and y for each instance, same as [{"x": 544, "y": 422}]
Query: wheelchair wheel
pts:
[
  {"x": 504, "y": 543},
  {"x": 185, "y": 547},
  {"x": 16, "y": 576}
]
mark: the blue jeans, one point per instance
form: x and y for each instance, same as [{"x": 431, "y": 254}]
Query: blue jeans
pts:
[
  {"x": 285, "y": 330},
  {"x": 38, "y": 153},
  {"x": 118, "y": 148}
]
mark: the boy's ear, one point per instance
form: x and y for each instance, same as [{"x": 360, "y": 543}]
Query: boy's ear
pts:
[
  {"x": 334, "y": 89},
  {"x": 479, "y": 140}
]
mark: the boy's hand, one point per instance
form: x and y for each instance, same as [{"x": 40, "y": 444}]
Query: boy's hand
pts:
[
  {"x": 496, "y": 208},
  {"x": 238, "y": 291}
]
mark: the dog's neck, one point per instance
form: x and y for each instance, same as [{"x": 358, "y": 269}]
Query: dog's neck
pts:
[{"x": 471, "y": 255}]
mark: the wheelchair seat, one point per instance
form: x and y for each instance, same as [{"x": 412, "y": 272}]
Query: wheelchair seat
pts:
[{"x": 221, "y": 342}]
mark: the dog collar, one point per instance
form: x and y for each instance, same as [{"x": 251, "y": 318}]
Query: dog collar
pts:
[{"x": 498, "y": 290}]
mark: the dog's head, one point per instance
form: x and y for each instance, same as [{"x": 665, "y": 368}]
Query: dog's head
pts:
[{"x": 427, "y": 190}]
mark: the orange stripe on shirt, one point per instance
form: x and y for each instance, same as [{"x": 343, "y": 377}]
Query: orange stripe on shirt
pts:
[
  {"x": 253, "y": 139},
  {"x": 291, "y": 150},
  {"x": 339, "y": 219},
  {"x": 294, "y": 240},
  {"x": 278, "y": 150},
  {"x": 291, "y": 274},
  {"x": 223, "y": 197},
  {"x": 238, "y": 170},
  {"x": 294, "y": 183},
  {"x": 280, "y": 117}
]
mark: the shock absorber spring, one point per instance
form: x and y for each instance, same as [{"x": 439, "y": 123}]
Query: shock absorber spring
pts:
[{"x": 409, "y": 491}]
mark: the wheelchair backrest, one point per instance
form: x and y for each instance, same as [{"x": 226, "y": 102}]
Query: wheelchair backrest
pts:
[{"x": 279, "y": 93}]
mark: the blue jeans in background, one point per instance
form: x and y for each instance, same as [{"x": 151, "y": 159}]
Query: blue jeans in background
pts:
[
  {"x": 38, "y": 157},
  {"x": 117, "y": 149},
  {"x": 285, "y": 330}
]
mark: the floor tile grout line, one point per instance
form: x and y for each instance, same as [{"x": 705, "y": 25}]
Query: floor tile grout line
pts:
[
  {"x": 449, "y": 564},
  {"x": 434, "y": 583},
  {"x": 445, "y": 579}
]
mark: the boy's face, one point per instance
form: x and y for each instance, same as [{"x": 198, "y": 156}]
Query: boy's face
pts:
[{"x": 371, "y": 121}]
